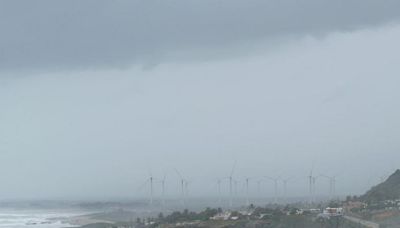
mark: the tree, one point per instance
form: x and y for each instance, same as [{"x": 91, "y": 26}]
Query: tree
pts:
[{"x": 333, "y": 204}]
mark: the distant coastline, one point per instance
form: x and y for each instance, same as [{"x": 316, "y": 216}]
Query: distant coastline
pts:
[{"x": 83, "y": 220}]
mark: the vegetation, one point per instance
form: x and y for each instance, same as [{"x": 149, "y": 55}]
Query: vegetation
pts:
[
  {"x": 190, "y": 216},
  {"x": 98, "y": 225},
  {"x": 286, "y": 217},
  {"x": 388, "y": 190}
]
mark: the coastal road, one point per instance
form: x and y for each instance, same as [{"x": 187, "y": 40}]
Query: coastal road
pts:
[{"x": 366, "y": 223}]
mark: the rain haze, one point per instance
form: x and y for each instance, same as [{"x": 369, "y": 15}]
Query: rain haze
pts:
[{"x": 96, "y": 96}]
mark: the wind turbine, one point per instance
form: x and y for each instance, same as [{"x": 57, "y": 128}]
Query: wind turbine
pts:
[
  {"x": 235, "y": 181},
  {"x": 285, "y": 181},
  {"x": 312, "y": 179},
  {"x": 151, "y": 190},
  {"x": 275, "y": 180},
  {"x": 332, "y": 185},
  {"x": 333, "y": 180},
  {"x": 219, "y": 181},
  {"x": 230, "y": 185},
  {"x": 247, "y": 190},
  {"x": 163, "y": 189},
  {"x": 144, "y": 185},
  {"x": 183, "y": 183},
  {"x": 151, "y": 181},
  {"x": 187, "y": 188},
  {"x": 259, "y": 187}
]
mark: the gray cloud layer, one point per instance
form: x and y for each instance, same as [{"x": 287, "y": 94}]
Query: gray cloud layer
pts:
[
  {"x": 50, "y": 34},
  {"x": 71, "y": 132},
  {"x": 331, "y": 103}
]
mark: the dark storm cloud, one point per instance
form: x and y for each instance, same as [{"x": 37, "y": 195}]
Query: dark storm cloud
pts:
[{"x": 40, "y": 35}]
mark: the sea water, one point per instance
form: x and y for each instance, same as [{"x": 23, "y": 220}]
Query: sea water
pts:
[{"x": 34, "y": 219}]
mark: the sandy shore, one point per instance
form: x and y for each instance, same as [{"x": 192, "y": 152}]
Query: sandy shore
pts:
[{"x": 84, "y": 220}]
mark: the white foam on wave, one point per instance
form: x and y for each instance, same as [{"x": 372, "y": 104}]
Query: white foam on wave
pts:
[{"x": 34, "y": 219}]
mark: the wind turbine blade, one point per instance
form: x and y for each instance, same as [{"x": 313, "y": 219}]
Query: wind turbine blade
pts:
[
  {"x": 149, "y": 171},
  {"x": 322, "y": 175},
  {"x": 269, "y": 178},
  {"x": 338, "y": 174},
  {"x": 179, "y": 174},
  {"x": 233, "y": 169},
  {"x": 289, "y": 178},
  {"x": 312, "y": 168},
  {"x": 143, "y": 185}
]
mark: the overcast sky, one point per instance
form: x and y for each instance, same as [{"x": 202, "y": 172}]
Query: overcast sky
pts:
[{"x": 95, "y": 95}]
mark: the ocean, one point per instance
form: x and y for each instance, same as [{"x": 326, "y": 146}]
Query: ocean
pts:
[{"x": 34, "y": 219}]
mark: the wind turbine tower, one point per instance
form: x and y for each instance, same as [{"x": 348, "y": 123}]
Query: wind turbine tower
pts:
[
  {"x": 247, "y": 190},
  {"x": 312, "y": 179},
  {"x": 151, "y": 190},
  {"x": 285, "y": 181},
  {"x": 186, "y": 189},
  {"x": 219, "y": 190},
  {"x": 236, "y": 187},
  {"x": 163, "y": 190},
  {"x": 332, "y": 185},
  {"x": 231, "y": 185},
  {"x": 182, "y": 182},
  {"x": 258, "y": 187},
  {"x": 275, "y": 180}
]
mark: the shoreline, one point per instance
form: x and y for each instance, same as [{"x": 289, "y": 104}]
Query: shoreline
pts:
[{"x": 83, "y": 220}]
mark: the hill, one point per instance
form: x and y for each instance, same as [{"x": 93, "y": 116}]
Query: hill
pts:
[{"x": 387, "y": 190}]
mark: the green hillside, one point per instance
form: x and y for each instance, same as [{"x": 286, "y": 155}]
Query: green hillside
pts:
[{"x": 387, "y": 190}]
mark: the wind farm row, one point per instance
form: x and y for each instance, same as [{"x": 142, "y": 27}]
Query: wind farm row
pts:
[{"x": 229, "y": 189}]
